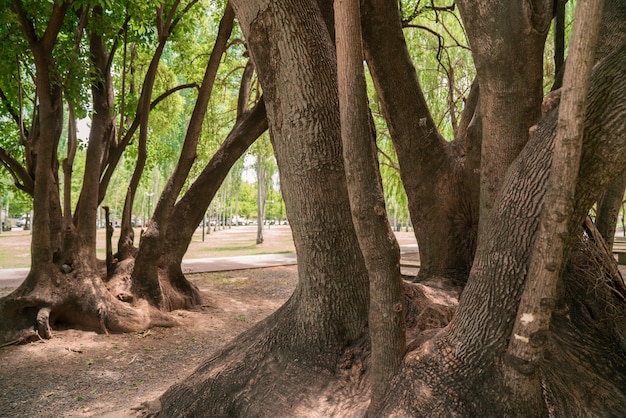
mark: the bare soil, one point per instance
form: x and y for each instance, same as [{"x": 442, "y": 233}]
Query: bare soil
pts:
[
  {"x": 84, "y": 374},
  {"x": 81, "y": 373}
]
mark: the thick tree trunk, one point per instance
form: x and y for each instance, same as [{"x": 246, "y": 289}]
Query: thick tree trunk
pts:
[
  {"x": 263, "y": 371},
  {"x": 461, "y": 369},
  {"x": 510, "y": 94},
  {"x": 442, "y": 212}
]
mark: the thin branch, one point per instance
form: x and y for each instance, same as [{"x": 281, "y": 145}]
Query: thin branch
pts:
[
  {"x": 389, "y": 161},
  {"x": 22, "y": 179}
]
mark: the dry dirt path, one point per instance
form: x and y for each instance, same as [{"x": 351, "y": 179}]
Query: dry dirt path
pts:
[{"x": 85, "y": 374}]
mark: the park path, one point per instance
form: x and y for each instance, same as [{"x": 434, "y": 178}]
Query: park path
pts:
[{"x": 14, "y": 277}]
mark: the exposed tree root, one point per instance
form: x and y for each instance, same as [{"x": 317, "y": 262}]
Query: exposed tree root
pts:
[
  {"x": 177, "y": 292},
  {"x": 258, "y": 374},
  {"x": 583, "y": 374},
  {"x": 47, "y": 299},
  {"x": 263, "y": 373}
]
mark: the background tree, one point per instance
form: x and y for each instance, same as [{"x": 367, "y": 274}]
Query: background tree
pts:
[{"x": 48, "y": 294}]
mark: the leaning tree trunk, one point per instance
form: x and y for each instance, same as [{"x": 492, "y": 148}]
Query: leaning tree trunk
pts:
[
  {"x": 285, "y": 362},
  {"x": 528, "y": 342},
  {"x": 190, "y": 209},
  {"x": 461, "y": 371},
  {"x": 442, "y": 212},
  {"x": 126, "y": 248},
  {"x": 145, "y": 276}
]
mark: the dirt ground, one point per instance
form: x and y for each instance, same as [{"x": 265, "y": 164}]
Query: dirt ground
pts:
[{"x": 85, "y": 374}]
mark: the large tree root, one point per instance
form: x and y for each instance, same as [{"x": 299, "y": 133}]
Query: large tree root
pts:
[
  {"x": 32, "y": 310},
  {"x": 176, "y": 291},
  {"x": 583, "y": 374},
  {"x": 267, "y": 371}
]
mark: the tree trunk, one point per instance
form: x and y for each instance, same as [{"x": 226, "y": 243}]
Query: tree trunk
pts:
[
  {"x": 67, "y": 286},
  {"x": 442, "y": 213},
  {"x": 306, "y": 339},
  {"x": 126, "y": 247},
  {"x": 376, "y": 239},
  {"x": 261, "y": 176},
  {"x": 528, "y": 341},
  {"x": 145, "y": 277},
  {"x": 101, "y": 135},
  {"x": 585, "y": 349},
  {"x": 609, "y": 207},
  {"x": 510, "y": 94},
  {"x": 189, "y": 210}
]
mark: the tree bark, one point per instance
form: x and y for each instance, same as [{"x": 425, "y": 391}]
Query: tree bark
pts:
[
  {"x": 609, "y": 207},
  {"x": 510, "y": 93},
  {"x": 192, "y": 206},
  {"x": 367, "y": 202},
  {"x": 441, "y": 210},
  {"x": 101, "y": 135},
  {"x": 308, "y": 336},
  {"x": 469, "y": 355},
  {"x": 145, "y": 276},
  {"x": 530, "y": 333},
  {"x": 165, "y": 25}
]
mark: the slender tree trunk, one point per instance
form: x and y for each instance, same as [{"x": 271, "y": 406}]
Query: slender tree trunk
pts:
[
  {"x": 261, "y": 175},
  {"x": 609, "y": 207},
  {"x": 145, "y": 273},
  {"x": 165, "y": 24},
  {"x": 376, "y": 239},
  {"x": 101, "y": 135},
  {"x": 529, "y": 338},
  {"x": 189, "y": 210}
]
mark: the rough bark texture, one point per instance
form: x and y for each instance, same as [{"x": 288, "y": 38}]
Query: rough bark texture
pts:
[
  {"x": 460, "y": 371},
  {"x": 432, "y": 171},
  {"x": 510, "y": 93},
  {"x": 261, "y": 373},
  {"x": 528, "y": 341},
  {"x": 376, "y": 239}
]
